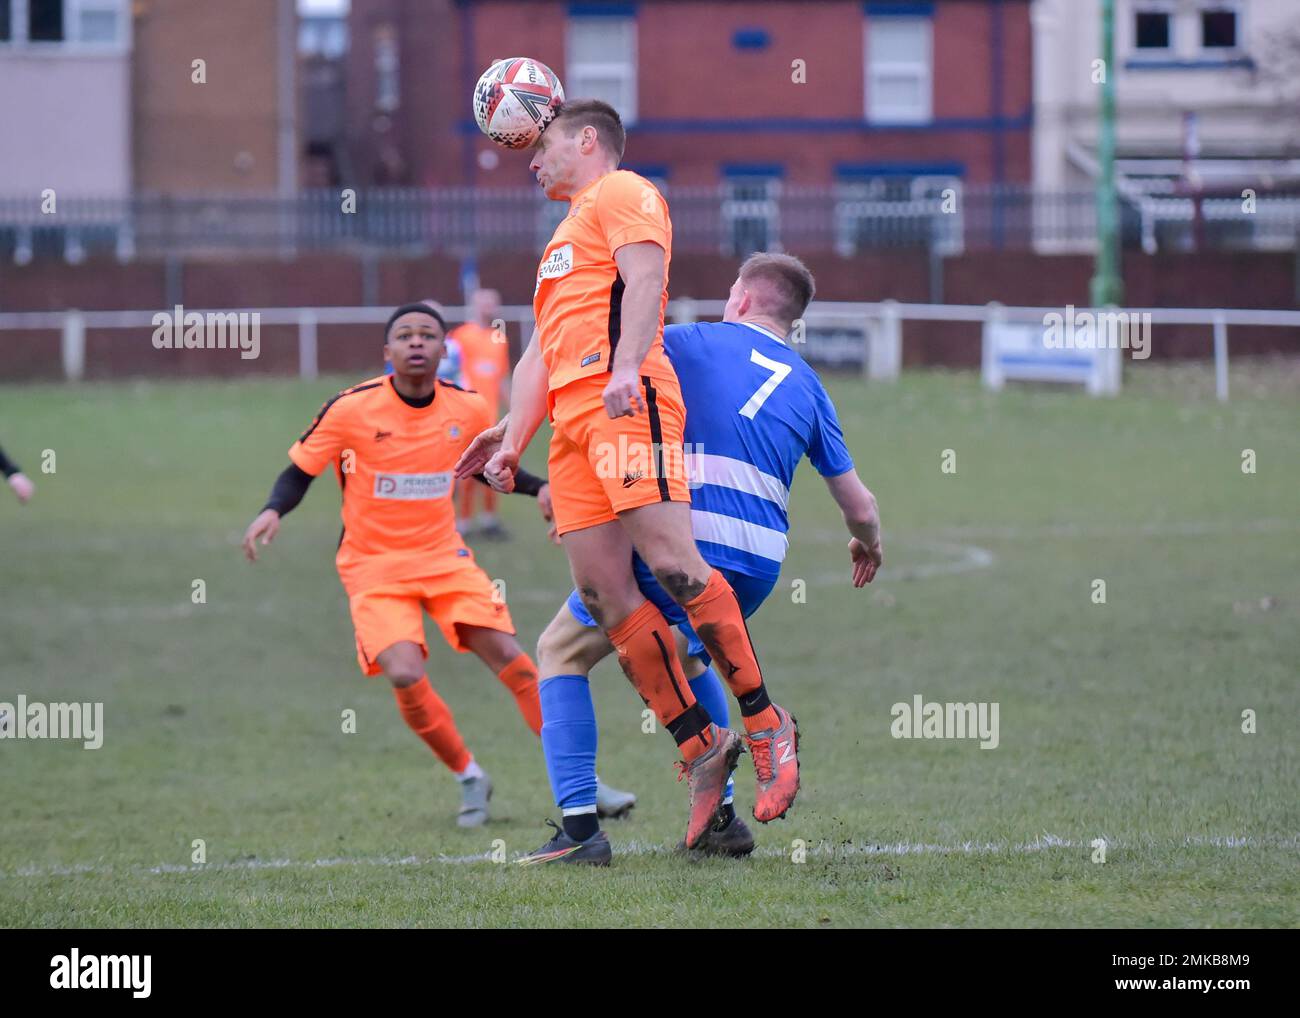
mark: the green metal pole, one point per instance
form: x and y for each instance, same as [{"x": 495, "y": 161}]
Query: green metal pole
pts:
[{"x": 1107, "y": 287}]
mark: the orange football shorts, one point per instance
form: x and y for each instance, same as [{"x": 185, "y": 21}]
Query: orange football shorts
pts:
[
  {"x": 599, "y": 467},
  {"x": 385, "y": 615}
]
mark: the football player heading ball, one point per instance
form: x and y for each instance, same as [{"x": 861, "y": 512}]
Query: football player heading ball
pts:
[{"x": 596, "y": 366}]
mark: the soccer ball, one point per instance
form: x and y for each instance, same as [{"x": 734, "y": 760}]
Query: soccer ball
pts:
[{"x": 515, "y": 99}]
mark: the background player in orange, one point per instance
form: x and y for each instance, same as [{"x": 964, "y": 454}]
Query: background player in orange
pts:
[
  {"x": 485, "y": 364},
  {"x": 596, "y": 364},
  {"x": 392, "y": 442}
]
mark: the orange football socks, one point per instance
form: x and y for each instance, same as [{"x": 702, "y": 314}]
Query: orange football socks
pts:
[
  {"x": 716, "y": 617},
  {"x": 520, "y": 677},
  {"x": 647, "y": 654},
  {"x": 430, "y": 718}
]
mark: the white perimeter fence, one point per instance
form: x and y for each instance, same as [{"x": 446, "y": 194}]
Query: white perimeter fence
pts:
[{"x": 865, "y": 335}]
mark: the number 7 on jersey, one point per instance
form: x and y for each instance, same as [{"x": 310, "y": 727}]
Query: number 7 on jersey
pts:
[{"x": 779, "y": 371}]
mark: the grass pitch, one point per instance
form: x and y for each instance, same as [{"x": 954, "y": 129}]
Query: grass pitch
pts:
[{"x": 1120, "y": 721}]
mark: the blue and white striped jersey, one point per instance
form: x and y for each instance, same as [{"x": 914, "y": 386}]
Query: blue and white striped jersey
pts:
[{"x": 754, "y": 408}]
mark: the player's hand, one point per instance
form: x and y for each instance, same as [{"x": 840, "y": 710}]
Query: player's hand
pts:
[
  {"x": 548, "y": 512},
  {"x": 500, "y": 469},
  {"x": 266, "y": 526},
  {"x": 476, "y": 455},
  {"x": 22, "y": 486},
  {"x": 866, "y": 560},
  {"x": 623, "y": 395}
]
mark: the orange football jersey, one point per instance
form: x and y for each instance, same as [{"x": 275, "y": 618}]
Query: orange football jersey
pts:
[
  {"x": 394, "y": 463},
  {"x": 579, "y": 295}
]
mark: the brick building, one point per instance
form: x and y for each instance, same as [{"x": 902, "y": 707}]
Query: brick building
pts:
[
  {"x": 738, "y": 94},
  {"x": 235, "y": 132}
]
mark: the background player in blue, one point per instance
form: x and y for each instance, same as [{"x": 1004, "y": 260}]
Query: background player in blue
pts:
[{"x": 754, "y": 409}]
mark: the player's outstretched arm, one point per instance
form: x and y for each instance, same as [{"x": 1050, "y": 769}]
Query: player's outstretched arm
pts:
[
  {"x": 527, "y": 408},
  {"x": 286, "y": 493},
  {"x": 20, "y": 483},
  {"x": 642, "y": 266},
  {"x": 264, "y": 527},
  {"x": 862, "y": 517},
  {"x": 22, "y": 486},
  {"x": 478, "y": 452},
  {"x": 525, "y": 483}
]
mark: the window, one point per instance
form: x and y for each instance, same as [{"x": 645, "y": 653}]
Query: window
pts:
[
  {"x": 1218, "y": 27},
  {"x": 74, "y": 23},
  {"x": 45, "y": 20},
  {"x": 751, "y": 213},
  {"x": 98, "y": 21},
  {"x": 323, "y": 37},
  {"x": 1151, "y": 29},
  {"x": 899, "y": 69},
  {"x": 387, "y": 69},
  {"x": 601, "y": 61}
]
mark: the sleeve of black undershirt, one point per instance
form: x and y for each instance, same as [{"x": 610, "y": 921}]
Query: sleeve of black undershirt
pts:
[
  {"x": 7, "y": 466},
  {"x": 288, "y": 489},
  {"x": 525, "y": 483}
]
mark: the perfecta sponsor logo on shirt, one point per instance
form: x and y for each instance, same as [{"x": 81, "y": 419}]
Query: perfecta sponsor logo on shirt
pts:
[{"x": 412, "y": 487}]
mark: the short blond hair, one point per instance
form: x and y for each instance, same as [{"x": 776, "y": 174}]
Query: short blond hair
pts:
[{"x": 791, "y": 283}]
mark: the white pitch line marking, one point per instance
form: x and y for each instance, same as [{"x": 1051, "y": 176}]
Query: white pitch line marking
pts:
[{"x": 1042, "y": 843}]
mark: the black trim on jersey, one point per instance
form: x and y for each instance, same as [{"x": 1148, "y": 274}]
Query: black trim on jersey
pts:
[
  {"x": 656, "y": 437},
  {"x": 412, "y": 402},
  {"x": 453, "y": 385},
  {"x": 343, "y": 483},
  {"x": 615, "y": 316},
  {"x": 330, "y": 402}
]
